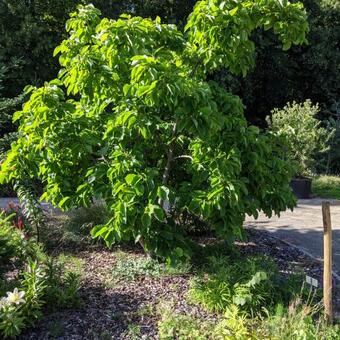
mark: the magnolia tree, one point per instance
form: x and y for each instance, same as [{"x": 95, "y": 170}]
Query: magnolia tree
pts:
[{"x": 134, "y": 120}]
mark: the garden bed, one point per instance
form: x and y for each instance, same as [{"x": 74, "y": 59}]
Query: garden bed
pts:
[{"x": 124, "y": 304}]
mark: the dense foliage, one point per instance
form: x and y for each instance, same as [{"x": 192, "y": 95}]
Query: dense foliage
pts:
[
  {"x": 309, "y": 71},
  {"x": 245, "y": 296},
  {"x": 37, "y": 281},
  {"x": 326, "y": 187},
  {"x": 133, "y": 120},
  {"x": 298, "y": 321},
  {"x": 31, "y": 30},
  {"x": 303, "y": 133}
]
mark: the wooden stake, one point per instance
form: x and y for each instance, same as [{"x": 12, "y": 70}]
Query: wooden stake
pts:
[{"x": 327, "y": 262}]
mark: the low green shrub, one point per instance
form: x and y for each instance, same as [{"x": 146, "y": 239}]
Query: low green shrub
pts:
[
  {"x": 41, "y": 281},
  {"x": 174, "y": 325},
  {"x": 42, "y": 284},
  {"x": 303, "y": 134},
  {"x": 14, "y": 243},
  {"x": 63, "y": 286},
  {"x": 22, "y": 307},
  {"x": 72, "y": 230},
  {"x": 297, "y": 322},
  {"x": 82, "y": 220},
  {"x": 249, "y": 283},
  {"x": 130, "y": 268}
]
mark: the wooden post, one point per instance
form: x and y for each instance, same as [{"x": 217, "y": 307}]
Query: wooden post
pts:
[{"x": 327, "y": 262}]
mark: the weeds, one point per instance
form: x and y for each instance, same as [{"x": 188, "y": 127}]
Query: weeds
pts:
[
  {"x": 173, "y": 325},
  {"x": 56, "y": 329},
  {"x": 73, "y": 230},
  {"x": 297, "y": 322},
  {"x": 130, "y": 268},
  {"x": 133, "y": 332}
]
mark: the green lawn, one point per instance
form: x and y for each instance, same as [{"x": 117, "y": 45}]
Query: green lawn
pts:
[{"x": 326, "y": 187}]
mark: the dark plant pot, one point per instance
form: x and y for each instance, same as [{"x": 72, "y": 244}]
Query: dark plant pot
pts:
[{"x": 302, "y": 187}]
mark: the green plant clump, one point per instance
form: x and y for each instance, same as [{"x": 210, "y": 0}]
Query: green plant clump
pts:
[
  {"x": 133, "y": 119},
  {"x": 13, "y": 242},
  {"x": 249, "y": 283},
  {"x": 326, "y": 187},
  {"x": 297, "y": 322},
  {"x": 303, "y": 133},
  {"x": 40, "y": 282},
  {"x": 130, "y": 268}
]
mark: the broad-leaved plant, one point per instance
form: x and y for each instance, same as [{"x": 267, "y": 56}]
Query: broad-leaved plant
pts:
[{"x": 133, "y": 119}]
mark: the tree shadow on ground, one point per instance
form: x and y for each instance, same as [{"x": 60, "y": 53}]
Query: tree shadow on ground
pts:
[{"x": 104, "y": 314}]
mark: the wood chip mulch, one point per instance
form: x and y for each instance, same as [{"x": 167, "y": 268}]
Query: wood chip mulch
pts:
[{"x": 107, "y": 310}]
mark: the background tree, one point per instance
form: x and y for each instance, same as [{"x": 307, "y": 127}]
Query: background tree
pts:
[
  {"x": 133, "y": 120},
  {"x": 309, "y": 71}
]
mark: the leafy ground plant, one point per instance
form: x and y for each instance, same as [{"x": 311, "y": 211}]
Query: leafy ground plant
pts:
[
  {"x": 39, "y": 282},
  {"x": 249, "y": 283},
  {"x": 72, "y": 230},
  {"x": 297, "y": 322},
  {"x": 22, "y": 307},
  {"x": 131, "y": 267},
  {"x": 174, "y": 325},
  {"x": 133, "y": 119}
]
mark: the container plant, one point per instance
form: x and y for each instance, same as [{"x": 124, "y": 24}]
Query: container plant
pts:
[{"x": 304, "y": 137}]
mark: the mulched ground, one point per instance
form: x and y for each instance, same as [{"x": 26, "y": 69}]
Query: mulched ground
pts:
[{"x": 108, "y": 310}]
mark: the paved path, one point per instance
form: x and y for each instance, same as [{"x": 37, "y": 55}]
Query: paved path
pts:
[
  {"x": 303, "y": 227},
  {"x": 4, "y": 201}
]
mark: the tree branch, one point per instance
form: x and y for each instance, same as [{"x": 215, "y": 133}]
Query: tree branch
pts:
[
  {"x": 184, "y": 156},
  {"x": 170, "y": 157}
]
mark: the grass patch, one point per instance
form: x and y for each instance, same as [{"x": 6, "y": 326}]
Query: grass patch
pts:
[
  {"x": 133, "y": 332},
  {"x": 326, "y": 187}
]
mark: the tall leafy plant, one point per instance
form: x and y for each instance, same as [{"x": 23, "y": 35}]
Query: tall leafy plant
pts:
[
  {"x": 305, "y": 137},
  {"x": 132, "y": 119}
]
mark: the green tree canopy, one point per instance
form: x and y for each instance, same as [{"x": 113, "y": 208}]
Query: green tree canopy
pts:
[{"x": 133, "y": 120}]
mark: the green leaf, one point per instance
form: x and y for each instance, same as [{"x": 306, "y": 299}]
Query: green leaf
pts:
[
  {"x": 286, "y": 46},
  {"x": 132, "y": 179},
  {"x": 98, "y": 231},
  {"x": 159, "y": 213},
  {"x": 233, "y": 11},
  {"x": 179, "y": 252},
  {"x": 109, "y": 238},
  {"x": 63, "y": 203},
  {"x": 146, "y": 220},
  {"x": 163, "y": 192}
]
